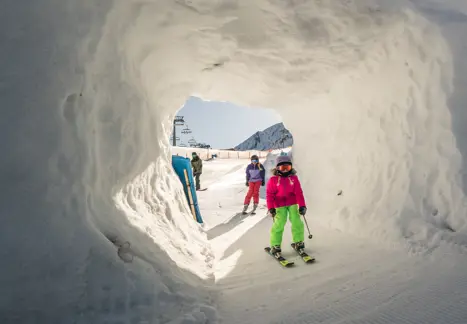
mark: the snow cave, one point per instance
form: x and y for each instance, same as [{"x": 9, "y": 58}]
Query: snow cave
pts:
[{"x": 95, "y": 227}]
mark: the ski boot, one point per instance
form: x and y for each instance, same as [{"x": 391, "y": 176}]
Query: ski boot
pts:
[
  {"x": 299, "y": 247},
  {"x": 245, "y": 207},
  {"x": 253, "y": 212},
  {"x": 275, "y": 251}
]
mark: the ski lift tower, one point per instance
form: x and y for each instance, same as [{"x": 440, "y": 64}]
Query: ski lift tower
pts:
[
  {"x": 176, "y": 138},
  {"x": 178, "y": 121}
]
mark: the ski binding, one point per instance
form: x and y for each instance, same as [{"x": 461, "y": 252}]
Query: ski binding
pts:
[
  {"x": 284, "y": 262},
  {"x": 305, "y": 257}
]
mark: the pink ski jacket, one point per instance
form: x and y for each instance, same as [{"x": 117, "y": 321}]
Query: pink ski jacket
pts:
[{"x": 284, "y": 191}]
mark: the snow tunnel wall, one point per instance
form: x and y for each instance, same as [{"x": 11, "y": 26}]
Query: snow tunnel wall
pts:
[{"x": 88, "y": 90}]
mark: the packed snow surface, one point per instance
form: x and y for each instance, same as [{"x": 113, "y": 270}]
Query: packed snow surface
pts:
[
  {"x": 353, "y": 280},
  {"x": 95, "y": 229}
]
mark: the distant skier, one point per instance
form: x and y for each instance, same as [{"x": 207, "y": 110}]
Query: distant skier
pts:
[
  {"x": 284, "y": 196},
  {"x": 197, "y": 165},
  {"x": 255, "y": 177}
]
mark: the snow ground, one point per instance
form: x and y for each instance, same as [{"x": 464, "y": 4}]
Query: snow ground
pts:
[
  {"x": 353, "y": 280},
  {"x": 93, "y": 225}
]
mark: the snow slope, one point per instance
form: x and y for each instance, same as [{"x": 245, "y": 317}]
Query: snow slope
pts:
[
  {"x": 353, "y": 280},
  {"x": 274, "y": 137},
  {"x": 88, "y": 90}
]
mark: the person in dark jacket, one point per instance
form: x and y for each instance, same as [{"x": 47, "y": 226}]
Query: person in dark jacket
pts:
[
  {"x": 197, "y": 165},
  {"x": 255, "y": 177}
]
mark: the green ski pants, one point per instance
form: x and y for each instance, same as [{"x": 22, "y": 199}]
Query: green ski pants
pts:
[{"x": 280, "y": 220}]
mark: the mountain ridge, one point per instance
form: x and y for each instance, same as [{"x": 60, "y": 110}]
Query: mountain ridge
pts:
[{"x": 273, "y": 137}]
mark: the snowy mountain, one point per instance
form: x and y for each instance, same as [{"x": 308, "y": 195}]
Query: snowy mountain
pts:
[{"x": 274, "y": 137}]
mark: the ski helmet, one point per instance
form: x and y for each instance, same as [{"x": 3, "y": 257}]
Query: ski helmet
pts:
[{"x": 283, "y": 159}]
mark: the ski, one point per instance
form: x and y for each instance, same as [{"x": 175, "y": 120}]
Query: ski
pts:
[
  {"x": 253, "y": 211},
  {"x": 305, "y": 257},
  {"x": 284, "y": 262}
]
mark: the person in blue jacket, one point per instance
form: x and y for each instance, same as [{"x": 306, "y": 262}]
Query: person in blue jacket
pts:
[{"x": 255, "y": 178}]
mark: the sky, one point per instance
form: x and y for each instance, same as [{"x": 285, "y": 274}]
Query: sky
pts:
[{"x": 221, "y": 124}]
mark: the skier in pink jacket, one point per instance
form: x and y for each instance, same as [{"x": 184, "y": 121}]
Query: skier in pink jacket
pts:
[{"x": 284, "y": 197}]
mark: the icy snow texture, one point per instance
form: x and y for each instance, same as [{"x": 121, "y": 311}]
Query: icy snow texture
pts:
[
  {"x": 88, "y": 88},
  {"x": 274, "y": 137}
]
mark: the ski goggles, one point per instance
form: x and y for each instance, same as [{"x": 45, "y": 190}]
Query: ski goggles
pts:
[
  {"x": 254, "y": 161},
  {"x": 284, "y": 167}
]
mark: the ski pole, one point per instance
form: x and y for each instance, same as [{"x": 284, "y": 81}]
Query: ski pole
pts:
[{"x": 306, "y": 223}]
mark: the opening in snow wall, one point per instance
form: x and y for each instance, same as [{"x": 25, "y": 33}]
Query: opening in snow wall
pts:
[{"x": 182, "y": 167}]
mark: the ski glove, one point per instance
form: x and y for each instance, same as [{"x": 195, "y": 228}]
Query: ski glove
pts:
[
  {"x": 272, "y": 211},
  {"x": 262, "y": 183},
  {"x": 247, "y": 184},
  {"x": 302, "y": 211}
]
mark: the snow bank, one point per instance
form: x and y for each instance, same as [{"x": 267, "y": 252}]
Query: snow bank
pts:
[
  {"x": 88, "y": 89},
  {"x": 383, "y": 134}
]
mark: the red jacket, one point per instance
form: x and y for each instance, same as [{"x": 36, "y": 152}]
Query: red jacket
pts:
[{"x": 284, "y": 191}]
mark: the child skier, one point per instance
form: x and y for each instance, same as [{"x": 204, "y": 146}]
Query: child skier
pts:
[
  {"x": 284, "y": 196},
  {"x": 255, "y": 176}
]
